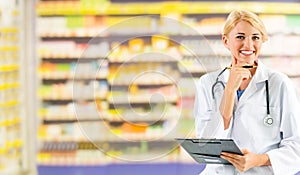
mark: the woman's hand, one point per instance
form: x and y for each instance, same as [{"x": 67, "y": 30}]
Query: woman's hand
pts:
[
  {"x": 246, "y": 161},
  {"x": 239, "y": 78},
  {"x": 237, "y": 75}
]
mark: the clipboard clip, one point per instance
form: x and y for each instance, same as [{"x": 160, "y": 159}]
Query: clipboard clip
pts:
[{"x": 210, "y": 141}]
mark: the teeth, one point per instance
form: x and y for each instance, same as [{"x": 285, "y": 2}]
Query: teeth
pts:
[{"x": 247, "y": 52}]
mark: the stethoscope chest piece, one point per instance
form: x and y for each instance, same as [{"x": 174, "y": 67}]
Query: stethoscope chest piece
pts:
[{"x": 268, "y": 120}]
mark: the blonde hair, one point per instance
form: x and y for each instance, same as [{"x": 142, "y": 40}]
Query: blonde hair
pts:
[{"x": 243, "y": 15}]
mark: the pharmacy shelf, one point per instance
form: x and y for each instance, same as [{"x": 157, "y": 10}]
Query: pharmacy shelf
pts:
[
  {"x": 117, "y": 37},
  {"x": 62, "y": 120},
  {"x": 162, "y": 61},
  {"x": 116, "y": 142},
  {"x": 118, "y": 102},
  {"x": 51, "y": 144},
  {"x": 69, "y": 59},
  {"x": 70, "y": 100},
  {"x": 146, "y": 83},
  {"x": 192, "y": 74},
  {"x": 146, "y": 99},
  {"x": 51, "y": 80},
  {"x": 124, "y": 37},
  {"x": 60, "y": 79},
  {"x": 63, "y": 101}
]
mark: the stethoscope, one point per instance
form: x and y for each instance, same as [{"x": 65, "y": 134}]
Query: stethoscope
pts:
[{"x": 268, "y": 120}]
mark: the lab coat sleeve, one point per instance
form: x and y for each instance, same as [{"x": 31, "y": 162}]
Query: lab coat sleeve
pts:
[
  {"x": 208, "y": 120},
  {"x": 286, "y": 159}
]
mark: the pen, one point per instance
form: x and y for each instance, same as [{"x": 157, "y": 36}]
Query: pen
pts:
[{"x": 246, "y": 66}]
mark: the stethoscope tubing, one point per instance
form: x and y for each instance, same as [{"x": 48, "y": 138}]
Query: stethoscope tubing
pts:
[
  {"x": 268, "y": 120},
  {"x": 267, "y": 97}
]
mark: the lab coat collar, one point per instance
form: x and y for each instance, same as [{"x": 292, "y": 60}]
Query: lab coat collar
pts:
[{"x": 261, "y": 74}]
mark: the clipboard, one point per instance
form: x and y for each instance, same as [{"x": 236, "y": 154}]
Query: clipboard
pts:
[{"x": 208, "y": 151}]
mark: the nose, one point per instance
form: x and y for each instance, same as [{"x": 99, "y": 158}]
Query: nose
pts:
[{"x": 248, "y": 43}]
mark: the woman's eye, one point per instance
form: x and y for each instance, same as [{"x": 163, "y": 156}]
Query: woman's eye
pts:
[
  {"x": 255, "y": 38},
  {"x": 240, "y": 37}
]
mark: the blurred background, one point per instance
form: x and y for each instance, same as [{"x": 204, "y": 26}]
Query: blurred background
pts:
[{"x": 92, "y": 87}]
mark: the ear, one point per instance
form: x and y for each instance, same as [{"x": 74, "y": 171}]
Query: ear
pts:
[{"x": 225, "y": 41}]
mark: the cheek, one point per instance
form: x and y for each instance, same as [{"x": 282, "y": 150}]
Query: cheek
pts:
[
  {"x": 236, "y": 47},
  {"x": 258, "y": 46}
]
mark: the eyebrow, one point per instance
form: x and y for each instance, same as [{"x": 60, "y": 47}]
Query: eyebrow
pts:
[{"x": 244, "y": 33}]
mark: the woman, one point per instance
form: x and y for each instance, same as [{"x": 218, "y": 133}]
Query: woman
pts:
[{"x": 255, "y": 106}]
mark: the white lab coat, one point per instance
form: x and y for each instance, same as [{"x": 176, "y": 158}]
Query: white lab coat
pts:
[{"x": 281, "y": 141}]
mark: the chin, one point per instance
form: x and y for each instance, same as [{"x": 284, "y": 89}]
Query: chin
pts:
[{"x": 249, "y": 59}]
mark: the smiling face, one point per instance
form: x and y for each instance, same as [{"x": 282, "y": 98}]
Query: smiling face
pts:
[{"x": 244, "y": 42}]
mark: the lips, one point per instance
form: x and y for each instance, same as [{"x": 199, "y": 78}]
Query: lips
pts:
[{"x": 247, "y": 52}]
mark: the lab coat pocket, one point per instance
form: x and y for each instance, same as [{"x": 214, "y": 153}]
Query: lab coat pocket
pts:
[{"x": 261, "y": 128}]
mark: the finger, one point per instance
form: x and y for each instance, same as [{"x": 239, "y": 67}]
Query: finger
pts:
[
  {"x": 246, "y": 76},
  {"x": 227, "y": 156},
  {"x": 244, "y": 73},
  {"x": 236, "y": 162},
  {"x": 241, "y": 76},
  {"x": 233, "y": 161},
  {"x": 241, "y": 69},
  {"x": 231, "y": 155}
]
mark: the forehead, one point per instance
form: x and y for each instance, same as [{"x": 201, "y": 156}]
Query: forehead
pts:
[{"x": 245, "y": 28}]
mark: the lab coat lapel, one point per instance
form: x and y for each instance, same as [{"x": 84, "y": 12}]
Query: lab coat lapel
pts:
[
  {"x": 259, "y": 77},
  {"x": 250, "y": 90}
]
